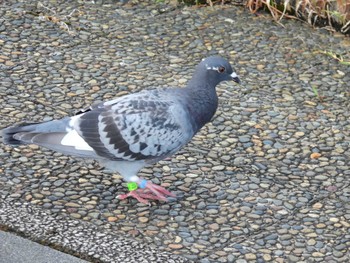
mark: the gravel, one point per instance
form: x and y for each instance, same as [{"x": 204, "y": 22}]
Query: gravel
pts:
[{"x": 267, "y": 180}]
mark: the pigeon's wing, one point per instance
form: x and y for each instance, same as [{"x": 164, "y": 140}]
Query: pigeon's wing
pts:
[{"x": 141, "y": 126}]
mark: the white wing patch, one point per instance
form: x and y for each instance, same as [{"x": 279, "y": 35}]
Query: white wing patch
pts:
[{"x": 74, "y": 139}]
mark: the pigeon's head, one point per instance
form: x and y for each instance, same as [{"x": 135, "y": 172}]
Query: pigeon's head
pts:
[{"x": 218, "y": 69}]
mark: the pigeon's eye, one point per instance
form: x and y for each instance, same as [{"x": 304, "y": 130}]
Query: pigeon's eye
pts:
[{"x": 221, "y": 69}]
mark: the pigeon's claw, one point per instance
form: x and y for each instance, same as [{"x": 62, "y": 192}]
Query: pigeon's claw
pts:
[
  {"x": 159, "y": 191},
  {"x": 140, "y": 196},
  {"x": 149, "y": 191}
]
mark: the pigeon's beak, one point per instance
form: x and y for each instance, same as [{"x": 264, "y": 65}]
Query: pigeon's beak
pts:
[{"x": 235, "y": 78}]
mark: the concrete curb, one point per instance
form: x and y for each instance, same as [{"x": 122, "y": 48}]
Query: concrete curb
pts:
[
  {"x": 70, "y": 236},
  {"x": 15, "y": 249}
]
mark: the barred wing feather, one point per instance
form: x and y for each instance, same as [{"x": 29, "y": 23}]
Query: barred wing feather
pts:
[{"x": 136, "y": 129}]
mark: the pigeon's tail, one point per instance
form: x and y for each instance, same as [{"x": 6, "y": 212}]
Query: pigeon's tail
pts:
[
  {"x": 26, "y": 133},
  {"x": 57, "y": 135},
  {"x": 9, "y": 135}
]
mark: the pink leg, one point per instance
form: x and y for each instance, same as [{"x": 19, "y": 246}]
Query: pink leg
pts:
[{"x": 149, "y": 192}]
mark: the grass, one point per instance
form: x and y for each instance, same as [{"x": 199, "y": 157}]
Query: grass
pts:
[
  {"x": 332, "y": 14},
  {"x": 317, "y": 95},
  {"x": 335, "y": 56}
]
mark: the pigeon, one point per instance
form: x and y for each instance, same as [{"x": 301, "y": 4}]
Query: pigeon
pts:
[{"x": 135, "y": 130}]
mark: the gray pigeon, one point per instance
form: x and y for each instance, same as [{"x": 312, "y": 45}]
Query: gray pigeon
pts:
[{"x": 130, "y": 132}]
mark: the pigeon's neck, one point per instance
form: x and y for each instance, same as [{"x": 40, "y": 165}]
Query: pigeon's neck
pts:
[
  {"x": 203, "y": 102},
  {"x": 201, "y": 79}
]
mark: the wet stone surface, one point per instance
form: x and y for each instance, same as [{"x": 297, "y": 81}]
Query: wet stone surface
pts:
[{"x": 266, "y": 181}]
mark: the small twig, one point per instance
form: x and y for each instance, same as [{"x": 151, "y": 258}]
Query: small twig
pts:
[
  {"x": 285, "y": 4},
  {"x": 47, "y": 8},
  {"x": 71, "y": 13}
]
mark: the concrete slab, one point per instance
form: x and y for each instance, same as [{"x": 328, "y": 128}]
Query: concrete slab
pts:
[
  {"x": 15, "y": 249},
  {"x": 81, "y": 238}
]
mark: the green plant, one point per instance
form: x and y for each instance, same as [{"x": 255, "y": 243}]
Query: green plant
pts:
[
  {"x": 314, "y": 89},
  {"x": 339, "y": 17},
  {"x": 317, "y": 95},
  {"x": 335, "y": 56}
]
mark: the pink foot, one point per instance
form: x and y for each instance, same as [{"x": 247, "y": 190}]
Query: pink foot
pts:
[{"x": 148, "y": 191}]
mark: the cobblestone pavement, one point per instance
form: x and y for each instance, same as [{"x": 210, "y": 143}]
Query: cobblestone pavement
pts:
[{"x": 267, "y": 180}]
